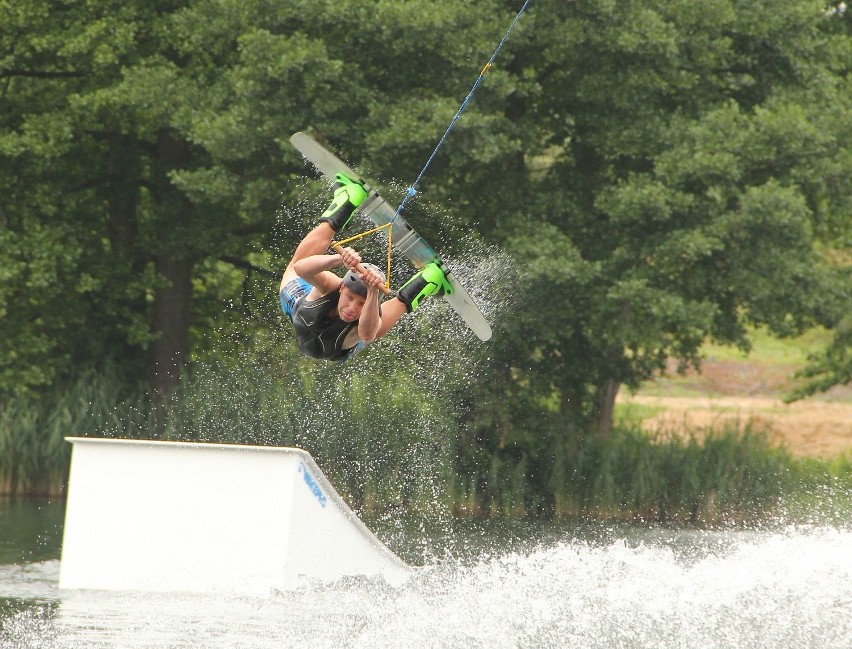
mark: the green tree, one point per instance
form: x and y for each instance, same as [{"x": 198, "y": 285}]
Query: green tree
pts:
[
  {"x": 669, "y": 174},
  {"x": 660, "y": 174},
  {"x": 143, "y": 144}
]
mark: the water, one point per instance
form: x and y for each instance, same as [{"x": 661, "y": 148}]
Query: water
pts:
[{"x": 482, "y": 584}]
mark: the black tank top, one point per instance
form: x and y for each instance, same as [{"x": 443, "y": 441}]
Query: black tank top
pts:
[{"x": 319, "y": 335}]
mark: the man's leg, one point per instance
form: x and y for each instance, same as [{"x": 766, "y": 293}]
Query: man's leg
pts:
[
  {"x": 316, "y": 242},
  {"x": 430, "y": 280},
  {"x": 348, "y": 195}
]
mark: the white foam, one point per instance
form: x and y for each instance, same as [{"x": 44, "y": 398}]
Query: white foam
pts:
[{"x": 787, "y": 588}]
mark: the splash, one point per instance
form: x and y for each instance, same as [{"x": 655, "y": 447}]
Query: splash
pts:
[
  {"x": 627, "y": 587},
  {"x": 381, "y": 425}
]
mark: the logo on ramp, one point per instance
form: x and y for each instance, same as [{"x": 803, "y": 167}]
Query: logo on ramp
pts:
[{"x": 312, "y": 485}]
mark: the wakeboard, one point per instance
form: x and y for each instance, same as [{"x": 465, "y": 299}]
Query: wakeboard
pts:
[{"x": 405, "y": 240}]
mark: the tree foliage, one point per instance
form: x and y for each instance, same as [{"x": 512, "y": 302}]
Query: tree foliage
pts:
[
  {"x": 683, "y": 172},
  {"x": 660, "y": 173}
]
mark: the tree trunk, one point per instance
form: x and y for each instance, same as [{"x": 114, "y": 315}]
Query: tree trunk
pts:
[
  {"x": 170, "y": 349},
  {"x": 171, "y": 315},
  {"x": 606, "y": 406},
  {"x": 124, "y": 160}
]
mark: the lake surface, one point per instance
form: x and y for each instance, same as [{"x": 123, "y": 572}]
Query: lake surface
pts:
[{"x": 481, "y": 584}]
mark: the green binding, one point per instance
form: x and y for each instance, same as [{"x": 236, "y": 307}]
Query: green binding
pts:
[{"x": 348, "y": 195}]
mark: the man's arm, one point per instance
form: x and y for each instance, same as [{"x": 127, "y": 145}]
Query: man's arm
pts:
[
  {"x": 316, "y": 270},
  {"x": 370, "y": 321},
  {"x": 392, "y": 311}
]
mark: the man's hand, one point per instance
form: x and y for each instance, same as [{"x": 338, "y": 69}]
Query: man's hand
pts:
[
  {"x": 350, "y": 258},
  {"x": 372, "y": 280}
]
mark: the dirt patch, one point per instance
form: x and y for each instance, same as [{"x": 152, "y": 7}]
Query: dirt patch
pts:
[{"x": 728, "y": 393}]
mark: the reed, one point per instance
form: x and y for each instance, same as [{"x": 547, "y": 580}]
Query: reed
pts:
[
  {"x": 820, "y": 492},
  {"x": 729, "y": 475},
  {"x": 34, "y": 456},
  {"x": 381, "y": 444},
  {"x": 384, "y": 446}
]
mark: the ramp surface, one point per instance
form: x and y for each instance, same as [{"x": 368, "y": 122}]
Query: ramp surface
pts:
[{"x": 187, "y": 517}]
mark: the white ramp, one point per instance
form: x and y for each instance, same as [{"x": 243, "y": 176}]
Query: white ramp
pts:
[{"x": 182, "y": 517}]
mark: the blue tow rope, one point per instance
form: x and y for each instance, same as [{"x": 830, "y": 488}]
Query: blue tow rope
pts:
[{"x": 411, "y": 191}]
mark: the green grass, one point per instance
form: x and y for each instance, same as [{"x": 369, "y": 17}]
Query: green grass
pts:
[
  {"x": 673, "y": 385},
  {"x": 769, "y": 350},
  {"x": 634, "y": 413},
  {"x": 767, "y": 368}
]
